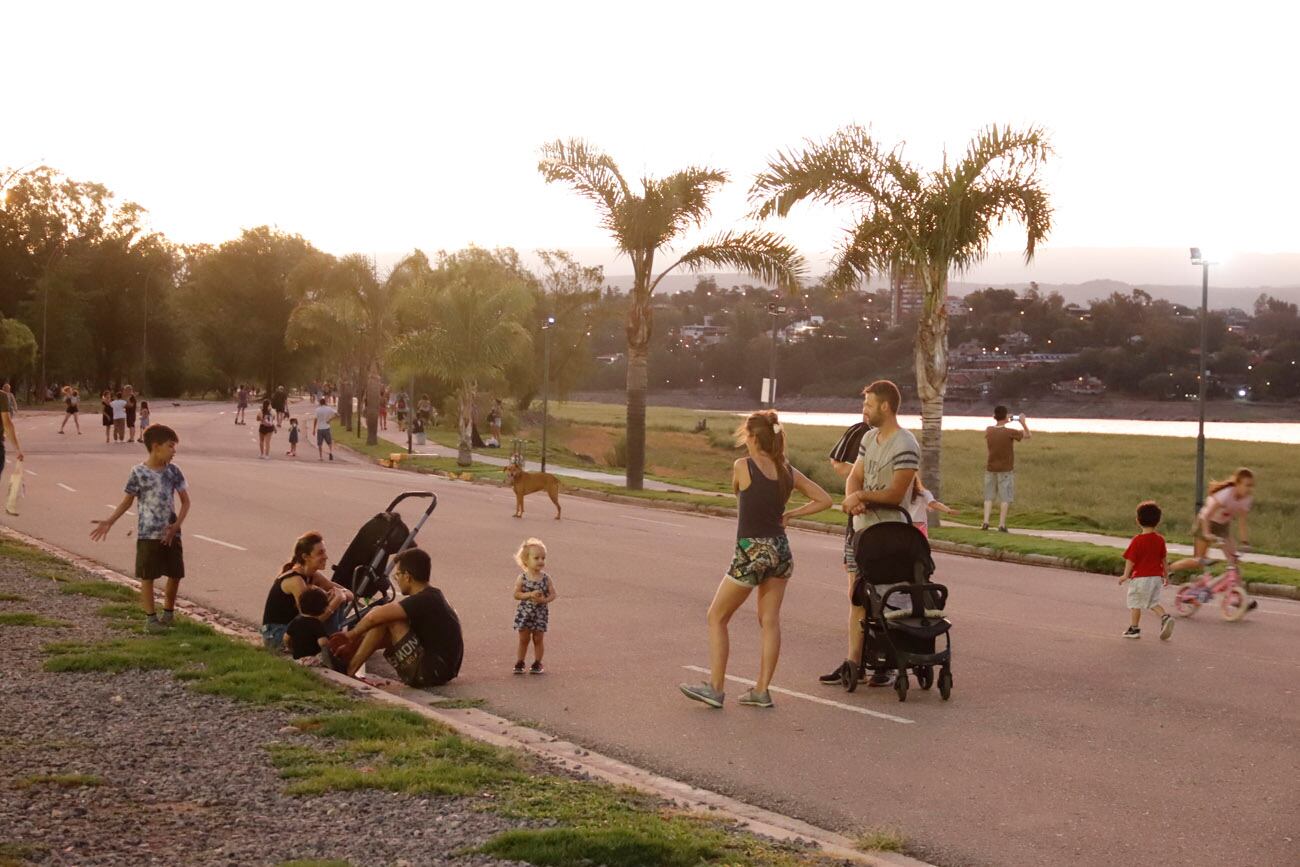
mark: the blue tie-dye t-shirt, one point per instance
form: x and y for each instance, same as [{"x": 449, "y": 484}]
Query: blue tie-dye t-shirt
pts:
[{"x": 155, "y": 492}]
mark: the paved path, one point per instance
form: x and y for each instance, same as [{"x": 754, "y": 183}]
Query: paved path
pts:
[
  {"x": 394, "y": 436},
  {"x": 1122, "y": 543},
  {"x": 1063, "y": 743}
]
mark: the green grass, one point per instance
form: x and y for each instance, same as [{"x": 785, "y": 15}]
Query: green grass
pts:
[
  {"x": 11, "y": 597},
  {"x": 1082, "y": 555},
  {"x": 14, "y": 854},
  {"x": 99, "y": 590},
  {"x": 63, "y": 781},
  {"x": 880, "y": 840},
  {"x": 26, "y": 618}
]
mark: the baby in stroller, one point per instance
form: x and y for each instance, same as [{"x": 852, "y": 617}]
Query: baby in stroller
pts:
[{"x": 904, "y": 608}]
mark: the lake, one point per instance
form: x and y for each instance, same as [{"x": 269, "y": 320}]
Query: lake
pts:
[{"x": 1249, "y": 431}]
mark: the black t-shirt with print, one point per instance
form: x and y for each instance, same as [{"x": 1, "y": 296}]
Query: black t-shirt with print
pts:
[
  {"x": 437, "y": 628},
  {"x": 304, "y": 635}
]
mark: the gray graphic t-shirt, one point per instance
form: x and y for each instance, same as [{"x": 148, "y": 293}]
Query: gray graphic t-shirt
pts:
[
  {"x": 880, "y": 460},
  {"x": 154, "y": 492}
]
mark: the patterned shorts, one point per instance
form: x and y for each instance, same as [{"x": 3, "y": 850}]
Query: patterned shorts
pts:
[{"x": 757, "y": 560}]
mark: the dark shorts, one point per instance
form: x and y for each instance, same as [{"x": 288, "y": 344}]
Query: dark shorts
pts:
[
  {"x": 324, "y": 435},
  {"x": 413, "y": 664},
  {"x": 266, "y": 429},
  {"x": 154, "y": 560},
  {"x": 757, "y": 560},
  {"x": 130, "y": 418},
  {"x": 72, "y": 410},
  {"x": 1219, "y": 530}
]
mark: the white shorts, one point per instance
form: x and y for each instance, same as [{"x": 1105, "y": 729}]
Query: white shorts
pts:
[{"x": 1144, "y": 593}]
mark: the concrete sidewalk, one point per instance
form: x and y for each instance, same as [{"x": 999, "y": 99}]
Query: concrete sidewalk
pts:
[
  {"x": 1122, "y": 543},
  {"x": 398, "y": 439}
]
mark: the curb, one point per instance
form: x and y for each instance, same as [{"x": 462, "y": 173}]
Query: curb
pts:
[{"x": 501, "y": 732}]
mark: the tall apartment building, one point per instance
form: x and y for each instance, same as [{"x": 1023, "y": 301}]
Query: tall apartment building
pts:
[{"x": 906, "y": 294}]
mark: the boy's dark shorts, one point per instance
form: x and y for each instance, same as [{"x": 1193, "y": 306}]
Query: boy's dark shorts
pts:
[{"x": 154, "y": 560}]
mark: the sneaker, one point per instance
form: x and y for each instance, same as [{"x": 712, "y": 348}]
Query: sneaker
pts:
[
  {"x": 984, "y": 526},
  {"x": 835, "y": 677},
  {"x": 1003, "y": 530},
  {"x": 331, "y": 455},
  {"x": 882, "y": 678},
  {"x": 754, "y": 698},
  {"x": 1253, "y": 605},
  {"x": 703, "y": 693},
  {"x": 519, "y": 667},
  {"x": 167, "y": 618},
  {"x": 1132, "y": 632},
  {"x": 537, "y": 668},
  {"x": 1166, "y": 627},
  {"x": 153, "y": 627}
]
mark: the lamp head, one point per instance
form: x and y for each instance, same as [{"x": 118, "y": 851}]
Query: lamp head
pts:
[{"x": 1196, "y": 255}]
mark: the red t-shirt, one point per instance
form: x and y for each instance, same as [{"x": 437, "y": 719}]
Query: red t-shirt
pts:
[{"x": 1147, "y": 553}]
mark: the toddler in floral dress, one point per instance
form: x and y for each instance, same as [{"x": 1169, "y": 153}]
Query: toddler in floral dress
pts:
[{"x": 535, "y": 591}]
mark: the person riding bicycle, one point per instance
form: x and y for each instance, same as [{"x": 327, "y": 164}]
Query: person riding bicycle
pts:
[{"x": 1228, "y": 499}]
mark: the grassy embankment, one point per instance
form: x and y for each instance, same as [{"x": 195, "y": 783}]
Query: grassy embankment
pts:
[
  {"x": 362, "y": 745},
  {"x": 1085, "y": 482}
]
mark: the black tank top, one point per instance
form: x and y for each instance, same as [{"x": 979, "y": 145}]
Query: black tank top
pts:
[
  {"x": 761, "y": 506},
  {"x": 280, "y": 606}
]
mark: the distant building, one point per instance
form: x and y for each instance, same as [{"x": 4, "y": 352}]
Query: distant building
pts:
[
  {"x": 802, "y": 330},
  {"x": 1015, "y": 340},
  {"x": 1082, "y": 386},
  {"x": 703, "y": 335},
  {"x": 906, "y": 294},
  {"x": 956, "y": 306}
]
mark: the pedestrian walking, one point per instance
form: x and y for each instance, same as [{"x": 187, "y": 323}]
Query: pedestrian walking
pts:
[
  {"x": 293, "y": 438},
  {"x": 71, "y": 408},
  {"x": 144, "y": 418},
  {"x": 8, "y": 434},
  {"x": 106, "y": 413},
  {"x": 879, "y": 488},
  {"x": 384, "y": 397},
  {"x": 1146, "y": 572},
  {"x": 280, "y": 402},
  {"x": 118, "y": 407},
  {"x": 241, "y": 404},
  {"x": 1000, "y": 470},
  {"x": 762, "y": 482},
  {"x": 155, "y": 484},
  {"x": 535, "y": 590},
  {"x": 131, "y": 406},
  {"x": 320, "y": 428},
  {"x": 494, "y": 424},
  {"x": 265, "y": 427}
]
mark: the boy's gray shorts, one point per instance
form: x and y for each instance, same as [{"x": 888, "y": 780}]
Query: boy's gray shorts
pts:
[{"x": 1144, "y": 593}]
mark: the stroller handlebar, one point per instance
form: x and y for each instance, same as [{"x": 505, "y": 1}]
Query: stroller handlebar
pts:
[{"x": 406, "y": 495}]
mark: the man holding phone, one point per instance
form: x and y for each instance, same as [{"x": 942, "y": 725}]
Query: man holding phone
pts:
[{"x": 999, "y": 472}]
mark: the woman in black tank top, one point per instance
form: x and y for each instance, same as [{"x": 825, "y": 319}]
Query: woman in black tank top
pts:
[
  {"x": 303, "y": 571},
  {"x": 763, "y": 482}
]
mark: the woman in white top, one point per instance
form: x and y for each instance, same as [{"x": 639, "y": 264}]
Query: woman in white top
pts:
[{"x": 1228, "y": 499}]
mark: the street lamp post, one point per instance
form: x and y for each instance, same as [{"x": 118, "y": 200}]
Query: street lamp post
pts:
[
  {"x": 1205, "y": 262},
  {"x": 546, "y": 380},
  {"x": 775, "y": 310}
]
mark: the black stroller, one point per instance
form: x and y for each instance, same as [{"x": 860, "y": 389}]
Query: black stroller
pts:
[
  {"x": 366, "y": 564},
  {"x": 905, "y": 617}
]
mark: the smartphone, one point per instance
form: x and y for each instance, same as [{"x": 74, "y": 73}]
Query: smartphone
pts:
[{"x": 1016, "y": 417}]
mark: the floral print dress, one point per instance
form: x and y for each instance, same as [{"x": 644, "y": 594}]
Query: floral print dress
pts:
[{"x": 533, "y": 615}]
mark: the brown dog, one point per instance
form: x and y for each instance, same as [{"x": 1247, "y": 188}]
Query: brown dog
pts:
[{"x": 526, "y": 483}]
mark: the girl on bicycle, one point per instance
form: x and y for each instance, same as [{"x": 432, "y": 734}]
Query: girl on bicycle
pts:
[{"x": 1228, "y": 499}]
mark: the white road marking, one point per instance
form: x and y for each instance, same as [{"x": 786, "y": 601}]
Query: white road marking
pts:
[
  {"x": 650, "y": 521},
  {"x": 66, "y": 488},
  {"x": 1282, "y": 613},
  {"x": 813, "y": 698},
  {"x": 218, "y": 542},
  {"x": 32, "y": 472}
]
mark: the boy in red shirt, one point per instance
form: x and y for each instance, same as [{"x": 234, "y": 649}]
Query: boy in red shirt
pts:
[{"x": 1146, "y": 572}]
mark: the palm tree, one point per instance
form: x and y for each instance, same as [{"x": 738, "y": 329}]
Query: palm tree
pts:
[
  {"x": 644, "y": 224},
  {"x": 465, "y": 326},
  {"x": 350, "y": 314},
  {"x": 926, "y": 224}
]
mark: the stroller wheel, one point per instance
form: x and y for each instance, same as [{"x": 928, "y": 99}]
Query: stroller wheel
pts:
[
  {"x": 925, "y": 676},
  {"x": 900, "y": 685},
  {"x": 945, "y": 682}
]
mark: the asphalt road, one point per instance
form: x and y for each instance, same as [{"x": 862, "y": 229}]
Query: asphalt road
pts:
[{"x": 1063, "y": 743}]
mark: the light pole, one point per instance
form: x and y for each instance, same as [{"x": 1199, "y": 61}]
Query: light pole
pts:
[
  {"x": 546, "y": 380},
  {"x": 1205, "y": 262},
  {"x": 775, "y": 310}
]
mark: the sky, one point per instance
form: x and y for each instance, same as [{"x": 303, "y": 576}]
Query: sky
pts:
[{"x": 381, "y": 127}]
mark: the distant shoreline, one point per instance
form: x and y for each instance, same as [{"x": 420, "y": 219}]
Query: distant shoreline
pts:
[{"x": 1103, "y": 407}]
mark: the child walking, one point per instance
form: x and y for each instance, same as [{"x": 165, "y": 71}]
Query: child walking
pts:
[
  {"x": 535, "y": 591},
  {"x": 293, "y": 438},
  {"x": 922, "y": 503},
  {"x": 144, "y": 418},
  {"x": 155, "y": 483},
  {"x": 1146, "y": 572}
]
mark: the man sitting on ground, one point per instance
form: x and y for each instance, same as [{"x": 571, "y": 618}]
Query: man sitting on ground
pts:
[{"x": 420, "y": 634}]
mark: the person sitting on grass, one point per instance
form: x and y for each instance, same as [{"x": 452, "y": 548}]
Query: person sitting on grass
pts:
[
  {"x": 1146, "y": 571},
  {"x": 307, "y": 634},
  {"x": 155, "y": 483},
  {"x": 420, "y": 634}
]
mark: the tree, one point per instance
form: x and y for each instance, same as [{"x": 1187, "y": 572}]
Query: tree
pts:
[
  {"x": 643, "y": 225},
  {"x": 17, "y": 349},
  {"x": 462, "y": 322},
  {"x": 932, "y": 224},
  {"x": 567, "y": 291}
]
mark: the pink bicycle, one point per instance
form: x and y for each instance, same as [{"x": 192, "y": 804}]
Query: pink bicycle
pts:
[{"x": 1229, "y": 587}]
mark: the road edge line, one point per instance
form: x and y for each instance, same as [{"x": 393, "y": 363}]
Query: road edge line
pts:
[{"x": 501, "y": 732}]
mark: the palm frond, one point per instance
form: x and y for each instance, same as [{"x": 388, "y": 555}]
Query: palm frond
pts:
[
  {"x": 764, "y": 255},
  {"x": 995, "y": 202},
  {"x": 847, "y": 168},
  {"x": 876, "y": 246},
  {"x": 682, "y": 198},
  {"x": 589, "y": 171}
]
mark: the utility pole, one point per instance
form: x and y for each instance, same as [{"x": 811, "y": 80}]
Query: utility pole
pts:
[{"x": 546, "y": 380}]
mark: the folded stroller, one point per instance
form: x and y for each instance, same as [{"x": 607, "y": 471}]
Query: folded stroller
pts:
[
  {"x": 904, "y": 608},
  {"x": 366, "y": 564}
]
